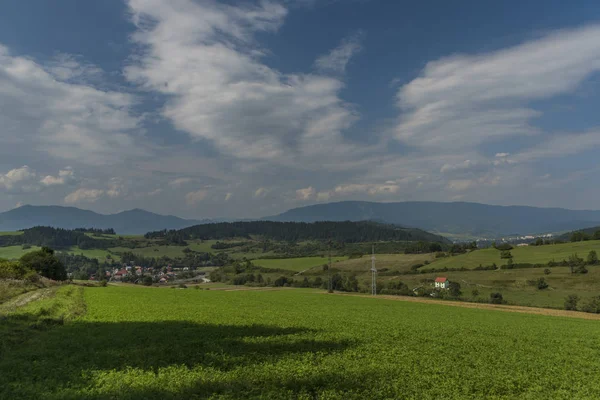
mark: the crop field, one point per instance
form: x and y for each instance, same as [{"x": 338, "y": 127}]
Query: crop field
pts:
[
  {"x": 297, "y": 264},
  {"x": 528, "y": 254},
  {"x": 392, "y": 262},
  {"x": 14, "y": 252},
  {"x": 159, "y": 343}
]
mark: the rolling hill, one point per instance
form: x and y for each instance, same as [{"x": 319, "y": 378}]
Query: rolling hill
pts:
[
  {"x": 458, "y": 218},
  {"x": 127, "y": 222}
]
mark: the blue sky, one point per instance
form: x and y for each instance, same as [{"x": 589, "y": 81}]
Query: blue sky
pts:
[{"x": 244, "y": 109}]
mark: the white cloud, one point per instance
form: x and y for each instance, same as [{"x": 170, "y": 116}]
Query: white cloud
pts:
[
  {"x": 337, "y": 60},
  {"x": 228, "y": 196},
  {"x": 42, "y": 109},
  {"x": 155, "y": 192},
  {"x": 323, "y": 196},
  {"x": 84, "y": 195},
  {"x": 502, "y": 155},
  {"x": 561, "y": 145},
  {"x": 306, "y": 193},
  {"x": 260, "y": 192},
  {"x": 176, "y": 183},
  {"x": 18, "y": 179},
  {"x": 196, "y": 197},
  {"x": 370, "y": 188},
  {"x": 65, "y": 176},
  {"x": 461, "y": 101},
  {"x": 115, "y": 187},
  {"x": 204, "y": 57}
]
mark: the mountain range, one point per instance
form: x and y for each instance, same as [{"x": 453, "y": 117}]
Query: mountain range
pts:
[
  {"x": 127, "y": 222},
  {"x": 458, "y": 219},
  {"x": 452, "y": 219}
]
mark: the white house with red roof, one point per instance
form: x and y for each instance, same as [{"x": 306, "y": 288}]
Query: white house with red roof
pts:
[{"x": 442, "y": 283}]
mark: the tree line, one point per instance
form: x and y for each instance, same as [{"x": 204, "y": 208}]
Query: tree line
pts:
[{"x": 346, "y": 232}]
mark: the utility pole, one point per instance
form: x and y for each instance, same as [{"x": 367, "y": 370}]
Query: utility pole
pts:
[
  {"x": 373, "y": 273},
  {"x": 330, "y": 284}
]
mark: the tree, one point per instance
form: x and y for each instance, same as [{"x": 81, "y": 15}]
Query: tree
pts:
[
  {"x": 45, "y": 263},
  {"x": 496, "y": 298},
  {"x": 506, "y": 254},
  {"x": 592, "y": 258},
  {"x": 542, "y": 284},
  {"x": 547, "y": 271},
  {"x": 147, "y": 281},
  {"x": 592, "y": 305},
  {"x": 571, "y": 302},
  {"x": 475, "y": 292},
  {"x": 596, "y": 235},
  {"x": 574, "y": 262},
  {"x": 454, "y": 289}
]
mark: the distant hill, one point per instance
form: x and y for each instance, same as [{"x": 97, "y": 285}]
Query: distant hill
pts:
[
  {"x": 589, "y": 232},
  {"x": 347, "y": 232},
  {"x": 127, "y": 222},
  {"x": 457, "y": 218}
]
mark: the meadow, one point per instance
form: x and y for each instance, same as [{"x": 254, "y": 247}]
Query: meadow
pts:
[
  {"x": 154, "y": 343},
  {"x": 14, "y": 252},
  {"x": 297, "y": 264},
  {"x": 526, "y": 254}
]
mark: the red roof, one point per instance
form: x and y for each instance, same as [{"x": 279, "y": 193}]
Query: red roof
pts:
[{"x": 442, "y": 280}]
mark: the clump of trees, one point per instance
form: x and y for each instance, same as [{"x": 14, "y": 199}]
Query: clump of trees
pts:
[
  {"x": 31, "y": 265},
  {"x": 496, "y": 298}
]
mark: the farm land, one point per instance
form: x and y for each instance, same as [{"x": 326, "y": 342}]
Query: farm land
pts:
[{"x": 298, "y": 343}]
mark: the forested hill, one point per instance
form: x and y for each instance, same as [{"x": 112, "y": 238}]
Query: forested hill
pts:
[
  {"x": 346, "y": 231},
  {"x": 450, "y": 218}
]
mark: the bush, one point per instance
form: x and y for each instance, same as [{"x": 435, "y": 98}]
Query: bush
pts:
[
  {"x": 547, "y": 271},
  {"x": 592, "y": 305},
  {"x": 475, "y": 292},
  {"x": 182, "y": 286},
  {"x": 571, "y": 302},
  {"x": 147, "y": 281},
  {"x": 542, "y": 284},
  {"x": 496, "y": 298},
  {"x": 103, "y": 283}
]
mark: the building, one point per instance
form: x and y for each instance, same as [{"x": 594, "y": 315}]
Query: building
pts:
[{"x": 442, "y": 283}]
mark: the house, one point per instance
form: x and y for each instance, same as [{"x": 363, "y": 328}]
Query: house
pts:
[{"x": 442, "y": 283}]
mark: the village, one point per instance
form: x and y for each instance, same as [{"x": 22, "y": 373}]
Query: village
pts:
[{"x": 136, "y": 274}]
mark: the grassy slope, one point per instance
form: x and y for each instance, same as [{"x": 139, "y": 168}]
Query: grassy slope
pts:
[
  {"x": 15, "y": 233},
  {"x": 297, "y": 264},
  {"x": 393, "y": 262},
  {"x": 528, "y": 254},
  {"x": 14, "y": 252},
  {"x": 300, "y": 344},
  {"x": 513, "y": 284}
]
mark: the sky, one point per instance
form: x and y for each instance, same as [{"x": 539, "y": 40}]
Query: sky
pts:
[{"x": 232, "y": 109}]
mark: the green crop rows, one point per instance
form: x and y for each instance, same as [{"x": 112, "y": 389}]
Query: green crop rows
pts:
[{"x": 162, "y": 343}]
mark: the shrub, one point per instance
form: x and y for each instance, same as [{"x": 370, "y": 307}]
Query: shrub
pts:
[
  {"x": 542, "y": 284},
  {"x": 147, "y": 281},
  {"x": 571, "y": 302},
  {"x": 496, "y": 298},
  {"x": 475, "y": 292},
  {"x": 103, "y": 283},
  {"x": 182, "y": 286},
  {"x": 547, "y": 271},
  {"x": 592, "y": 305}
]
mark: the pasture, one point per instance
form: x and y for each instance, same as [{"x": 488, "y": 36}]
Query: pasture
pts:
[
  {"x": 136, "y": 342},
  {"x": 391, "y": 262},
  {"x": 297, "y": 264},
  {"x": 527, "y": 254},
  {"x": 14, "y": 252}
]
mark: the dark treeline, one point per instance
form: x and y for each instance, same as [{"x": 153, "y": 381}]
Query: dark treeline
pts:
[
  {"x": 58, "y": 238},
  {"x": 109, "y": 231},
  {"x": 346, "y": 232}
]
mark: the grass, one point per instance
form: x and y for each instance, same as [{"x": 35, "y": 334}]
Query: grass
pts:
[
  {"x": 14, "y": 233},
  {"x": 527, "y": 254},
  {"x": 33, "y": 312},
  {"x": 297, "y": 264},
  {"x": 299, "y": 344},
  {"x": 393, "y": 262},
  {"x": 15, "y": 252},
  {"x": 99, "y": 254}
]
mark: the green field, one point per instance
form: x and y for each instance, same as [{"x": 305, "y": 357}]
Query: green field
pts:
[
  {"x": 527, "y": 254},
  {"x": 16, "y": 233},
  {"x": 297, "y": 264},
  {"x": 163, "y": 344},
  {"x": 14, "y": 252},
  {"x": 392, "y": 262}
]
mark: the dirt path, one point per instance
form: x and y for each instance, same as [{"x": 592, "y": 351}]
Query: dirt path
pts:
[
  {"x": 484, "y": 306},
  {"x": 25, "y": 299}
]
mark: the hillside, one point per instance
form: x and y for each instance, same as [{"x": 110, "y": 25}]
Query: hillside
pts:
[
  {"x": 588, "y": 233},
  {"x": 460, "y": 218},
  {"x": 127, "y": 222},
  {"x": 346, "y": 232}
]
